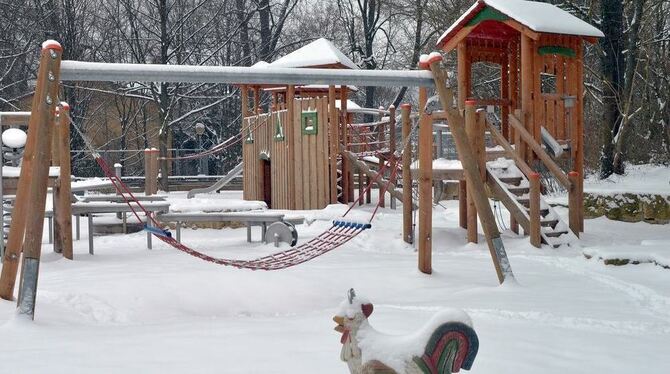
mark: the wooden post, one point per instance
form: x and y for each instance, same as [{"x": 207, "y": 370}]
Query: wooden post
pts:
[
  {"x": 39, "y": 176},
  {"x": 579, "y": 130},
  {"x": 333, "y": 141},
  {"x": 154, "y": 169},
  {"x": 392, "y": 124},
  {"x": 526, "y": 91},
  {"x": 425, "y": 185},
  {"x": 573, "y": 203},
  {"x": 147, "y": 172},
  {"x": 244, "y": 93},
  {"x": 63, "y": 188},
  {"x": 471, "y": 131},
  {"x": 407, "y": 233},
  {"x": 463, "y": 204},
  {"x": 289, "y": 132},
  {"x": 368, "y": 194},
  {"x": 361, "y": 188},
  {"x": 347, "y": 186},
  {"x": 534, "y": 214},
  {"x": 41, "y": 120},
  {"x": 257, "y": 100},
  {"x": 463, "y": 77}
]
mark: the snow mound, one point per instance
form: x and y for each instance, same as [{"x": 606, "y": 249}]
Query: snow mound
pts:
[
  {"x": 649, "y": 251},
  {"x": 396, "y": 350},
  {"x": 14, "y": 138}
]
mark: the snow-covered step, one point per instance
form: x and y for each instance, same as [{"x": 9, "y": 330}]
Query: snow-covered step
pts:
[{"x": 512, "y": 187}]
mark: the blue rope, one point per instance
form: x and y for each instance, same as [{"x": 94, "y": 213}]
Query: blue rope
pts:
[
  {"x": 349, "y": 224},
  {"x": 157, "y": 231}
]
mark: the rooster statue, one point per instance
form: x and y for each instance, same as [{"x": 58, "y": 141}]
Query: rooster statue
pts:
[{"x": 446, "y": 344}]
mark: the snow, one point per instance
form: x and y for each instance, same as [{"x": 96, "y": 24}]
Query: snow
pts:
[
  {"x": 15, "y": 171},
  {"x": 350, "y": 105},
  {"x": 317, "y": 53},
  {"x": 442, "y": 164},
  {"x": 14, "y": 138},
  {"x": 539, "y": 17},
  {"x": 225, "y": 201},
  {"x": 129, "y": 309},
  {"x": 647, "y": 251},
  {"x": 639, "y": 179}
]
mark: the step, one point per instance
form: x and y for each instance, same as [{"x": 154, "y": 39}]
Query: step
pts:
[
  {"x": 518, "y": 190},
  {"x": 554, "y": 234},
  {"x": 549, "y": 223},
  {"x": 511, "y": 180}
]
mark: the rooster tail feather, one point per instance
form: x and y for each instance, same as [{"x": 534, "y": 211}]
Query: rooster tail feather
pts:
[{"x": 452, "y": 347}]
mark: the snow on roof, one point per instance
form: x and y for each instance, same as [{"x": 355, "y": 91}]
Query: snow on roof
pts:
[
  {"x": 317, "y": 53},
  {"x": 350, "y": 105},
  {"x": 260, "y": 64},
  {"x": 539, "y": 17}
]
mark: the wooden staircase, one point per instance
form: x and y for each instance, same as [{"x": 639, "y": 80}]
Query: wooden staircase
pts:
[{"x": 511, "y": 187}]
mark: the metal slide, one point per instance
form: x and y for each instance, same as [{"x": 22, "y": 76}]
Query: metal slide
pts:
[{"x": 219, "y": 184}]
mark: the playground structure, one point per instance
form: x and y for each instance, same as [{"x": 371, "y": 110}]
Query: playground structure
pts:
[{"x": 489, "y": 31}]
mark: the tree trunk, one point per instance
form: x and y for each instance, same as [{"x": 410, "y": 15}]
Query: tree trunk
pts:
[
  {"x": 612, "y": 70},
  {"x": 626, "y": 103}
]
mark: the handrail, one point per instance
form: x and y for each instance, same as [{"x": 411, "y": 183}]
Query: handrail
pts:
[
  {"x": 541, "y": 153},
  {"x": 500, "y": 139}
]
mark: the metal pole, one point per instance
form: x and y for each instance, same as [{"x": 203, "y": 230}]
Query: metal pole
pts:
[{"x": 105, "y": 72}]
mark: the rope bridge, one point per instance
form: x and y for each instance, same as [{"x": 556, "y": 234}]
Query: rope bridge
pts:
[{"x": 338, "y": 234}]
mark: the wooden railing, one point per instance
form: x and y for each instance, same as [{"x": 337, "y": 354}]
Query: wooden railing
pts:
[
  {"x": 570, "y": 181},
  {"x": 373, "y": 136}
]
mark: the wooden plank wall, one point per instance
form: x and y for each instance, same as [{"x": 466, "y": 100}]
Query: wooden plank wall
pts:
[{"x": 311, "y": 186}]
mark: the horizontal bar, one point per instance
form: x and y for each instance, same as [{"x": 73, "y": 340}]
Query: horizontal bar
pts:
[
  {"x": 108, "y": 72},
  {"x": 14, "y": 118}
]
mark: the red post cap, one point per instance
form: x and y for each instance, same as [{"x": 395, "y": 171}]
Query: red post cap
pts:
[
  {"x": 52, "y": 44},
  {"x": 470, "y": 102},
  {"x": 406, "y": 106},
  {"x": 434, "y": 57},
  {"x": 65, "y": 105},
  {"x": 534, "y": 175},
  {"x": 573, "y": 174}
]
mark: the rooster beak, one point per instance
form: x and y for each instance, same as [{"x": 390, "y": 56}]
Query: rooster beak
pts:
[{"x": 339, "y": 320}]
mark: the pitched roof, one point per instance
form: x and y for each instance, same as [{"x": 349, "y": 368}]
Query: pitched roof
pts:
[
  {"x": 319, "y": 53},
  {"x": 539, "y": 17}
]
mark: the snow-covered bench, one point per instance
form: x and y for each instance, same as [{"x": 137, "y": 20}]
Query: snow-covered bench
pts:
[
  {"x": 250, "y": 218},
  {"x": 89, "y": 209}
]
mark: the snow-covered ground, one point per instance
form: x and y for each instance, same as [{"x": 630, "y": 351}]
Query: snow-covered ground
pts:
[{"x": 133, "y": 310}]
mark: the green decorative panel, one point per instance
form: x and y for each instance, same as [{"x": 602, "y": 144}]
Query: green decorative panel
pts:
[
  {"x": 279, "y": 130},
  {"x": 487, "y": 14},
  {"x": 309, "y": 123},
  {"x": 556, "y": 50}
]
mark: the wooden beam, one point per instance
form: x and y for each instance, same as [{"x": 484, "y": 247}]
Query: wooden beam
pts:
[
  {"x": 540, "y": 152},
  {"x": 42, "y": 121},
  {"x": 41, "y": 118},
  {"x": 63, "y": 188},
  {"x": 471, "y": 169},
  {"x": 407, "y": 233},
  {"x": 425, "y": 185},
  {"x": 524, "y": 30},
  {"x": 458, "y": 38}
]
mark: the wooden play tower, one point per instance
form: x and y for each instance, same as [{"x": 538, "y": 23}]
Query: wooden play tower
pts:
[{"x": 539, "y": 49}]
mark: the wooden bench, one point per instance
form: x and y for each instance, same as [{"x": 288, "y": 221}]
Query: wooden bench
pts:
[
  {"x": 91, "y": 208},
  {"x": 250, "y": 218}
]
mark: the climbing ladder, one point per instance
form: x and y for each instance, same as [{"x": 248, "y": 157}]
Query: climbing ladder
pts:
[{"x": 512, "y": 188}]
